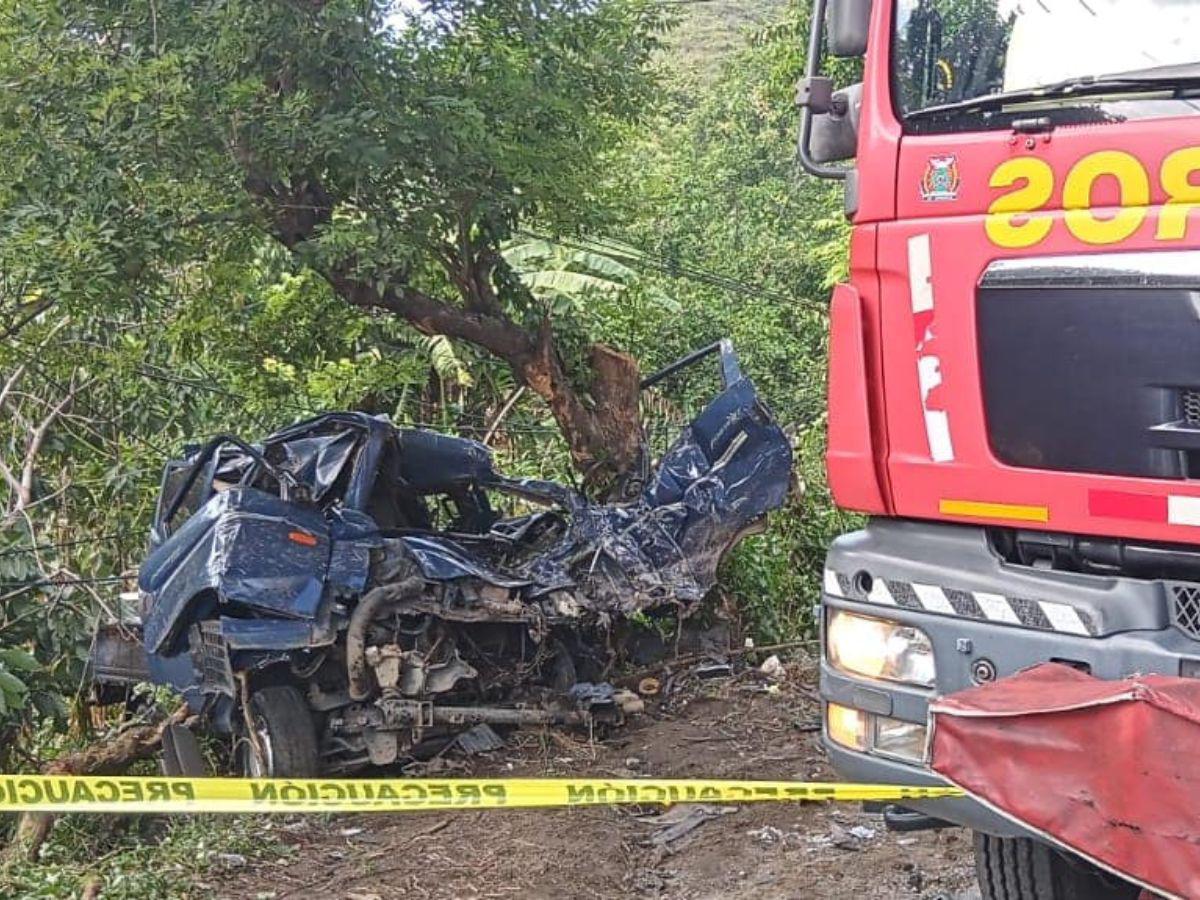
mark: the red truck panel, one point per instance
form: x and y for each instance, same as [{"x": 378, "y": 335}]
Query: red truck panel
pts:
[
  {"x": 1095, "y": 766},
  {"x": 1093, "y": 189},
  {"x": 857, "y": 425},
  {"x": 940, "y": 462},
  {"x": 850, "y": 458}
]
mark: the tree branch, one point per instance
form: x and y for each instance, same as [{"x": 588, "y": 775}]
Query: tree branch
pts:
[
  {"x": 34, "y": 447},
  {"x": 21, "y": 485},
  {"x": 106, "y": 757},
  {"x": 10, "y": 478},
  {"x": 605, "y": 441}
]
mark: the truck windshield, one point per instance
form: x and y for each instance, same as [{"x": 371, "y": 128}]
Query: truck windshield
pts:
[{"x": 951, "y": 57}]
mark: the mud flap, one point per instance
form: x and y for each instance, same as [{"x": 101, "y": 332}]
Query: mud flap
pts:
[{"x": 181, "y": 756}]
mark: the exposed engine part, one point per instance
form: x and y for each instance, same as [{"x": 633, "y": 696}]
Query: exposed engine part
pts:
[
  {"x": 357, "y": 671},
  {"x": 411, "y": 672}
]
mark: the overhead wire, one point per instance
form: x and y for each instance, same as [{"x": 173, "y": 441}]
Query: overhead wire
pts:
[
  {"x": 63, "y": 582},
  {"x": 691, "y": 270},
  {"x": 478, "y": 420},
  {"x": 20, "y": 348},
  {"x": 61, "y": 545},
  {"x": 665, "y": 265}
]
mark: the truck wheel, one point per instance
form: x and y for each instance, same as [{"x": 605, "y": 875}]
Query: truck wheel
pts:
[
  {"x": 1025, "y": 869},
  {"x": 284, "y": 742}
]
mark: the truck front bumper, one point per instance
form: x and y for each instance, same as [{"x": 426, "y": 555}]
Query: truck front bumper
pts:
[{"x": 983, "y": 615}]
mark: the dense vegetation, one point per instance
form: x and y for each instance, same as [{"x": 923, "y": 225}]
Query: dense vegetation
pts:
[{"x": 487, "y": 218}]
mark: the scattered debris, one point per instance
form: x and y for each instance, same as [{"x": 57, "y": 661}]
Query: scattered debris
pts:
[
  {"x": 773, "y": 668},
  {"x": 436, "y": 767},
  {"x": 629, "y": 703},
  {"x": 713, "y": 670},
  {"x": 852, "y": 838},
  {"x": 680, "y": 821},
  {"x": 649, "y": 687},
  {"x": 478, "y": 739},
  {"x": 770, "y": 836},
  {"x": 603, "y": 852}
]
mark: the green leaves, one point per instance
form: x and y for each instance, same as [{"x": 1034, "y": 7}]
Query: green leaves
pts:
[
  {"x": 446, "y": 361},
  {"x": 567, "y": 282},
  {"x": 14, "y": 659},
  {"x": 13, "y": 691},
  {"x": 748, "y": 250}
]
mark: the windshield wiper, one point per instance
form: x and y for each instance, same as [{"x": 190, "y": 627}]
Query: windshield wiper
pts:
[{"x": 1165, "y": 78}]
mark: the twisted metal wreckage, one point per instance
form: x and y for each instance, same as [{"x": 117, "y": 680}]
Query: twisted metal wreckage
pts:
[{"x": 344, "y": 593}]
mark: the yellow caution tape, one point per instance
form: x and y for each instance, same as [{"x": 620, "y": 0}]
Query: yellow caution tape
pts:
[{"x": 66, "y": 793}]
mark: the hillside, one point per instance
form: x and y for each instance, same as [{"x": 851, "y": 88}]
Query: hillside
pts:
[{"x": 709, "y": 33}]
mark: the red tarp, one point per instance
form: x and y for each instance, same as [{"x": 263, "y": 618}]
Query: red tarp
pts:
[{"x": 1109, "y": 769}]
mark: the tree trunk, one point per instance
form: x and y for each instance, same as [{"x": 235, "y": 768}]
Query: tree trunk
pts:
[{"x": 605, "y": 438}]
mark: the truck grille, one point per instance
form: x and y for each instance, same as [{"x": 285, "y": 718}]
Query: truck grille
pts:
[
  {"x": 1189, "y": 402},
  {"x": 1185, "y": 608},
  {"x": 210, "y": 656},
  {"x": 1077, "y": 361}
]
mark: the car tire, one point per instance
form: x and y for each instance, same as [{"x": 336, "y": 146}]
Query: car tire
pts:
[
  {"x": 1025, "y": 869},
  {"x": 284, "y": 742}
]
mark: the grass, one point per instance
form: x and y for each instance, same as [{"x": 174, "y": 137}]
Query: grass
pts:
[{"x": 144, "y": 857}]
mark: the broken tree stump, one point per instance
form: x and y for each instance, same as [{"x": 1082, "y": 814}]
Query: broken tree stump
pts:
[{"x": 109, "y": 756}]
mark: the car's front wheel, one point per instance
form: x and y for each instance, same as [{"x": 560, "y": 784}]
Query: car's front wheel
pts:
[
  {"x": 280, "y": 739},
  {"x": 1025, "y": 869}
]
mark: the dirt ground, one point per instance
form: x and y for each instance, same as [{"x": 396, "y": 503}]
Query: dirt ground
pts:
[{"x": 734, "y": 727}]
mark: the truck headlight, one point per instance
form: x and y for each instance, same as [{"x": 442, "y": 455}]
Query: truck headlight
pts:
[
  {"x": 877, "y": 648},
  {"x": 869, "y": 733},
  {"x": 848, "y": 727},
  {"x": 904, "y": 740}
]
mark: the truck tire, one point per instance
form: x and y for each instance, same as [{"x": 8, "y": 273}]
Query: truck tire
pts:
[
  {"x": 284, "y": 743},
  {"x": 1025, "y": 869}
]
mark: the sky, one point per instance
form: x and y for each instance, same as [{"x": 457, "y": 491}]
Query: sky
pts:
[
  {"x": 405, "y": 8},
  {"x": 1056, "y": 39}
]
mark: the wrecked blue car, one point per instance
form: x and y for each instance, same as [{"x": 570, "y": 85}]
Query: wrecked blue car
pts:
[{"x": 347, "y": 593}]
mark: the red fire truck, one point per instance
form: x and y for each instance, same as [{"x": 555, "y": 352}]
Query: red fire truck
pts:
[{"x": 1014, "y": 385}]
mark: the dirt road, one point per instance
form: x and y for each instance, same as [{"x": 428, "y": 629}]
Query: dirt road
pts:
[{"x": 741, "y": 727}]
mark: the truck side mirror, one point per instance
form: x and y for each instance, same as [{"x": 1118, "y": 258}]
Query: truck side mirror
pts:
[
  {"x": 835, "y": 133},
  {"x": 828, "y": 118},
  {"x": 849, "y": 21}
]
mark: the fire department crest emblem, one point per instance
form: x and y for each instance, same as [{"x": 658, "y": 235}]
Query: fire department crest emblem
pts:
[{"x": 941, "y": 179}]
